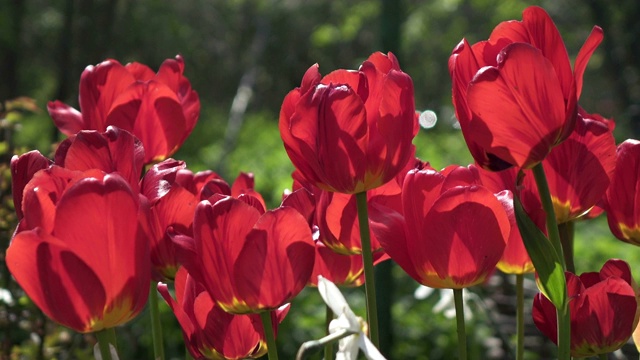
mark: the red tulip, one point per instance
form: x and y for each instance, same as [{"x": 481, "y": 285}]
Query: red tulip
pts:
[
  {"x": 622, "y": 200},
  {"x": 173, "y": 192},
  {"x": 247, "y": 260},
  {"x": 83, "y": 258},
  {"x": 114, "y": 150},
  {"x": 603, "y": 308},
  {"x": 159, "y": 109},
  {"x": 515, "y": 94},
  {"x": 211, "y": 333},
  {"x": 453, "y": 231},
  {"x": 580, "y": 168},
  {"x": 351, "y": 131}
]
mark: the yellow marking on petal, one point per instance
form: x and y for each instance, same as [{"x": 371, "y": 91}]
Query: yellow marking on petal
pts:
[
  {"x": 562, "y": 210},
  {"x": 632, "y": 234}
]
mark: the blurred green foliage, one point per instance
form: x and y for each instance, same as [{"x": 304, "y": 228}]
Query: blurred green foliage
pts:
[{"x": 44, "y": 46}]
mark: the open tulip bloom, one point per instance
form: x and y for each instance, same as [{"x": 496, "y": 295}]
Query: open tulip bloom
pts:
[
  {"x": 515, "y": 94},
  {"x": 95, "y": 226},
  {"x": 351, "y": 131},
  {"x": 159, "y": 108},
  {"x": 603, "y": 307},
  {"x": 82, "y": 255}
]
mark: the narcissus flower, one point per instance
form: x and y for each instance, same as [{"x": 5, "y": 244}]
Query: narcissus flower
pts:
[
  {"x": 247, "y": 259},
  {"x": 622, "y": 200},
  {"x": 159, "y": 108},
  {"x": 515, "y": 94},
  {"x": 346, "y": 320},
  {"x": 453, "y": 231},
  {"x": 351, "y": 131},
  {"x": 82, "y": 256},
  {"x": 211, "y": 333},
  {"x": 603, "y": 307}
]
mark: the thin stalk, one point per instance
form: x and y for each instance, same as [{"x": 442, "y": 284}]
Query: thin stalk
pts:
[
  {"x": 604, "y": 356},
  {"x": 519, "y": 316},
  {"x": 328, "y": 348},
  {"x": 265, "y": 316},
  {"x": 547, "y": 205},
  {"x": 564, "y": 320},
  {"x": 156, "y": 326},
  {"x": 462, "y": 337},
  {"x": 106, "y": 337},
  {"x": 313, "y": 345},
  {"x": 566, "y": 239},
  {"x": 367, "y": 261}
]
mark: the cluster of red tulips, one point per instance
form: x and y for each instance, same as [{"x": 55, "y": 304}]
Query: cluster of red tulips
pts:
[{"x": 112, "y": 213}]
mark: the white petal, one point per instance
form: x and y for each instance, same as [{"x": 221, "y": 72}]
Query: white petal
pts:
[
  {"x": 369, "y": 350},
  {"x": 98, "y": 355},
  {"x": 422, "y": 292},
  {"x": 332, "y": 296},
  {"x": 343, "y": 322},
  {"x": 348, "y": 348}
]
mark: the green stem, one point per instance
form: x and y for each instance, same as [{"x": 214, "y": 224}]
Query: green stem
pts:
[
  {"x": 566, "y": 239},
  {"x": 547, "y": 205},
  {"x": 156, "y": 326},
  {"x": 265, "y": 316},
  {"x": 367, "y": 261},
  {"x": 519, "y": 316},
  {"x": 564, "y": 320},
  {"x": 106, "y": 337},
  {"x": 462, "y": 337},
  {"x": 328, "y": 348},
  {"x": 604, "y": 356}
]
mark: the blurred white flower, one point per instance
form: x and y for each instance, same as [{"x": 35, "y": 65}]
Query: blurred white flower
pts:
[
  {"x": 347, "y": 320},
  {"x": 98, "y": 355},
  {"x": 446, "y": 305}
]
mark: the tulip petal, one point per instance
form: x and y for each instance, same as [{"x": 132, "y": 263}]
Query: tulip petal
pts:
[
  {"x": 469, "y": 247},
  {"x": 524, "y": 89}
]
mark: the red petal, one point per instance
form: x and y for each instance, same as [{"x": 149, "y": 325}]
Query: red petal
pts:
[
  {"x": 466, "y": 231},
  {"x": 545, "y": 36},
  {"x": 99, "y": 220},
  {"x": 276, "y": 261},
  {"x": 63, "y": 286},
  {"x": 587, "y": 49},
  {"x": 154, "y": 114},
  {"x": 23, "y": 168},
  {"x": 220, "y": 231},
  {"x": 100, "y": 86},
  {"x": 67, "y": 119},
  {"x": 519, "y": 106}
]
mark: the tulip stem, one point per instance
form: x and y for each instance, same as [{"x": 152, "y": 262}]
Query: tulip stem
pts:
[
  {"x": 564, "y": 320},
  {"x": 105, "y": 338},
  {"x": 566, "y": 239},
  {"x": 519, "y": 316},
  {"x": 367, "y": 261},
  {"x": 604, "y": 356},
  {"x": 156, "y": 326},
  {"x": 265, "y": 316},
  {"x": 462, "y": 337},
  {"x": 328, "y": 348}
]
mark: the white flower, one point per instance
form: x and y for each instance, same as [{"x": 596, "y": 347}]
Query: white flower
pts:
[{"x": 347, "y": 320}]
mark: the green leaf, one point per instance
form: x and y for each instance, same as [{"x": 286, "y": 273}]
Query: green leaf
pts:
[{"x": 546, "y": 260}]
